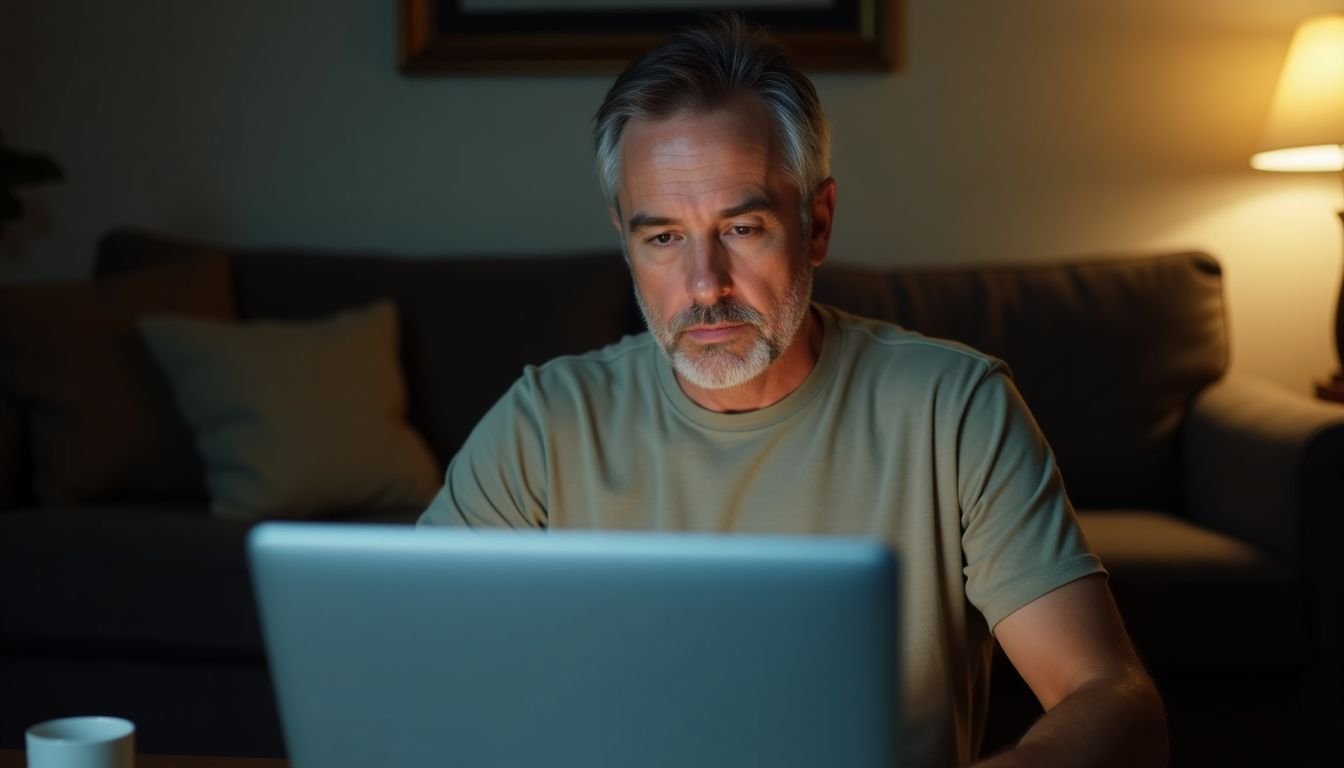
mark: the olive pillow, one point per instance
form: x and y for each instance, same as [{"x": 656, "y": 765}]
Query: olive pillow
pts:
[
  {"x": 297, "y": 419},
  {"x": 100, "y": 416}
]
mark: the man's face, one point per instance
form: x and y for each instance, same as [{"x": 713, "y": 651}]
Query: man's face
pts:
[{"x": 714, "y": 237}]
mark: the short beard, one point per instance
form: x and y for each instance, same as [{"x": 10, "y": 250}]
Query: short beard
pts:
[{"x": 717, "y": 366}]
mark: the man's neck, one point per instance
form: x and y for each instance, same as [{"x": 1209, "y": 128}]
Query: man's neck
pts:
[{"x": 775, "y": 383}]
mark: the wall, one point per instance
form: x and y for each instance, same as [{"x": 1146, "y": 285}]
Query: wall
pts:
[{"x": 1028, "y": 130}]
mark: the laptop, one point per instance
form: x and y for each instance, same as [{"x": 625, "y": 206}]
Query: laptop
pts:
[{"x": 397, "y": 646}]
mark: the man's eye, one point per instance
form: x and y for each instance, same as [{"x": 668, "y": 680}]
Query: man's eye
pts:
[
  {"x": 743, "y": 230},
  {"x": 662, "y": 238}
]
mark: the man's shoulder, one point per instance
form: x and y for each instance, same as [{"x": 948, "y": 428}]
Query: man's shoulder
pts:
[
  {"x": 624, "y": 362},
  {"x": 881, "y": 344},
  {"x": 628, "y": 351}
]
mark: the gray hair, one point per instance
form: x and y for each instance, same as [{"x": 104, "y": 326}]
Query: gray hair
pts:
[{"x": 701, "y": 68}]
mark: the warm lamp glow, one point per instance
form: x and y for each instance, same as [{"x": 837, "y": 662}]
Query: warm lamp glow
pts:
[
  {"x": 1327, "y": 157},
  {"x": 1305, "y": 131}
]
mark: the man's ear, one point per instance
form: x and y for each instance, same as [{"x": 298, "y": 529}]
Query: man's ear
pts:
[{"x": 823, "y": 218}]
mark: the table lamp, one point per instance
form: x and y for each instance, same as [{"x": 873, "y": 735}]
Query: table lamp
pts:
[{"x": 1305, "y": 130}]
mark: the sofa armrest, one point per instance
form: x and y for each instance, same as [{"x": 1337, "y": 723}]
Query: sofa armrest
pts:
[{"x": 1265, "y": 465}]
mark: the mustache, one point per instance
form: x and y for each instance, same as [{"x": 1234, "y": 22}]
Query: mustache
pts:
[{"x": 714, "y": 314}]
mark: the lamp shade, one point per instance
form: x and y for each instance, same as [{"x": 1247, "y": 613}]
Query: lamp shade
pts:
[{"x": 1305, "y": 131}]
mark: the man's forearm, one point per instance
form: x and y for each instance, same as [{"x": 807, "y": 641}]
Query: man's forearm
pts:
[{"x": 1107, "y": 722}]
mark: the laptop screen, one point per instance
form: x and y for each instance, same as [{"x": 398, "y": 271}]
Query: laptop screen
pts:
[{"x": 396, "y": 646}]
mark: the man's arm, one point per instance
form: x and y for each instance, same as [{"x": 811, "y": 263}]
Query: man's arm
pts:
[{"x": 1101, "y": 708}]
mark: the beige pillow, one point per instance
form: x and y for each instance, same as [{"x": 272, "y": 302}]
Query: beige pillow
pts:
[{"x": 297, "y": 419}]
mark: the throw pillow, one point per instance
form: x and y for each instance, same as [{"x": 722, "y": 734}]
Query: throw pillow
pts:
[
  {"x": 297, "y": 419},
  {"x": 101, "y": 421}
]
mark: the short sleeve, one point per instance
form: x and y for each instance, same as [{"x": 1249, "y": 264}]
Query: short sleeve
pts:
[
  {"x": 498, "y": 477},
  {"x": 1020, "y": 537}
]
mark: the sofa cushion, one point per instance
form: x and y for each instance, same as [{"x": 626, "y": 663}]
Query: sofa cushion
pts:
[
  {"x": 297, "y": 419},
  {"x": 15, "y": 475},
  {"x": 101, "y": 420},
  {"x": 118, "y": 577},
  {"x": 1194, "y": 598},
  {"x": 1108, "y": 353},
  {"x": 129, "y": 579}
]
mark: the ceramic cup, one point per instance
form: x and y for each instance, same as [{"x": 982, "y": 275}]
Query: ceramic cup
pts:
[{"x": 82, "y": 742}]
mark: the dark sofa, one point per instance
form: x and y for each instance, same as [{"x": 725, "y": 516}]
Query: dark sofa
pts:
[{"x": 1214, "y": 502}]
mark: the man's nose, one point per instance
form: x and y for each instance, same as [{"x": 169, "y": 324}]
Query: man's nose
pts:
[{"x": 708, "y": 279}]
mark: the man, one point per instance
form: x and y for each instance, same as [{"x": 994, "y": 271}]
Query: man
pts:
[{"x": 746, "y": 408}]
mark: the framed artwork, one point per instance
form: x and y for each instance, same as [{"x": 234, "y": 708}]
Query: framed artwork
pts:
[{"x": 577, "y": 36}]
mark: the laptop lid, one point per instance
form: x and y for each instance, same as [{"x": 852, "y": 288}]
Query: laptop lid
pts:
[{"x": 397, "y": 646}]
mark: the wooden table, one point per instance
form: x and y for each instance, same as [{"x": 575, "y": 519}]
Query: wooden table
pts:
[{"x": 13, "y": 758}]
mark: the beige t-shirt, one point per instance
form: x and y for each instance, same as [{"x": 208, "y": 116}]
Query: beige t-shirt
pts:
[{"x": 923, "y": 443}]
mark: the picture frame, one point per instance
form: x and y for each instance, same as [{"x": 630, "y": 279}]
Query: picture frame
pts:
[{"x": 600, "y": 36}]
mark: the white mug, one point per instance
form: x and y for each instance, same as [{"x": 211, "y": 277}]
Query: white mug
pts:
[{"x": 82, "y": 742}]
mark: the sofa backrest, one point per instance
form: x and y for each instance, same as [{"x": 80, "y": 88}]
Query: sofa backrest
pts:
[
  {"x": 1107, "y": 352},
  {"x": 468, "y": 326}
]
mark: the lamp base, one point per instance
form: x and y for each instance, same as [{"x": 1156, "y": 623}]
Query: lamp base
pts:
[{"x": 1331, "y": 388}]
